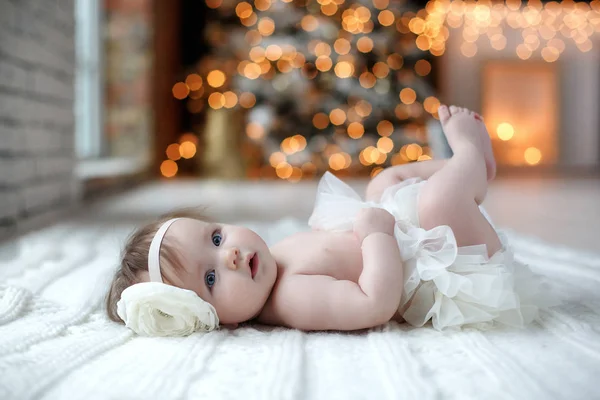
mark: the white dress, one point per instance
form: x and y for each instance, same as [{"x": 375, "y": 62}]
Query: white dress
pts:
[{"x": 451, "y": 286}]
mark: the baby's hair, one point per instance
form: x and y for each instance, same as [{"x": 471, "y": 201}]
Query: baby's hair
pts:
[{"x": 134, "y": 259}]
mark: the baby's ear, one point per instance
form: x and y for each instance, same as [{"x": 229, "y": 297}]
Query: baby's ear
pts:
[{"x": 230, "y": 326}]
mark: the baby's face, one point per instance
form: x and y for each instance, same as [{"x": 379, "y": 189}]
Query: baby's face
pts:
[{"x": 228, "y": 266}]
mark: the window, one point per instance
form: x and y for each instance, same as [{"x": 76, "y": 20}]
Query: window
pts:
[{"x": 88, "y": 80}]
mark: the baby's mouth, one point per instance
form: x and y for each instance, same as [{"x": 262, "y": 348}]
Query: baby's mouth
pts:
[{"x": 253, "y": 265}]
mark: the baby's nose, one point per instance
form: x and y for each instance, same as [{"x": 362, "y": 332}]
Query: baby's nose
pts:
[{"x": 231, "y": 259}]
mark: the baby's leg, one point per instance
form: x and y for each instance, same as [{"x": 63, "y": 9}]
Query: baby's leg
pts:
[
  {"x": 425, "y": 169},
  {"x": 396, "y": 174},
  {"x": 451, "y": 196}
]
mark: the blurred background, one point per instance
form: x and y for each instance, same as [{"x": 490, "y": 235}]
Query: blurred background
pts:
[{"x": 98, "y": 95}]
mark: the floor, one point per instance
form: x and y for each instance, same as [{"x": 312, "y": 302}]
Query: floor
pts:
[
  {"x": 557, "y": 210},
  {"x": 55, "y": 341}
]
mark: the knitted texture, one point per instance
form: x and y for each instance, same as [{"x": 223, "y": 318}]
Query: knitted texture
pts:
[{"x": 57, "y": 343}]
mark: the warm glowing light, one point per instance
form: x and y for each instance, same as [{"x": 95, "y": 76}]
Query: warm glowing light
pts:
[
  {"x": 337, "y": 116},
  {"x": 381, "y": 70},
  {"x": 363, "y": 108},
  {"x": 365, "y": 155},
  {"x": 276, "y": 158},
  {"x": 395, "y": 61},
  {"x": 532, "y": 156},
  {"x": 505, "y": 131},
  {"x": 216, "y": 100},
  {"x": 252, "y": 71},
  {"x": 337, "y": 161},
  {"x": 401, "y": 112},
  {"x": 293, "y": 144},
  {"x": 168, "y": 168},
  {"x": 257, "y": 54},
  {"x": 216, "y": 78},
  {"x": 265, "y": 67},
  {"x": 255, "y": 131},
  {"x": 431, "y": 104},
  {"x": 385, "y": 128},
  {"x": 468, "y": 49},
  {"x": 180, "y": 90},
  {"x": 342, "y": 46},
  {"x": 273, "y": 52},
  {"x": 298, "y": 142},
  {"x": 214, "y": 3},
  {"x": 550, "y": 54},
  {"x": 243, "y": 10},
  {"x": 376, "y": 171},
  {"x": 378, "y": 157},
  {"x": 423, "y": 67},
  {"x": 299, "y": 60},
  {"x": 398, "y": 159},
  {"x": 322, "y": 49},
  {"x": 413, "y": 151},
  {"x": 356, "y": 130},
  {"x": 323, "y": 63},
  {"x": 408, "y": 96},
  {"x": 320, "y": 121},
  {"x": 253, "y": 37},
  {"x": 266, "y": 26},
  {"x": 284, "y": 170},
  {"x": 329, "y": 9},
  {"x": 187, "y": 150},
  {"x": 367, "y": 80},
  {"x": 385, "y": 145},
  {"x": 262, "y": 5},
  {"x": 381, "y": 4},
  {"x": 247, "y": 100},
  {"x": 231, "y": 99},
  {"x": 284, "y": 66},
  {"x": 523, "y": 52},
  {"x": 296, "y": 175},
  {"x": 194, "y": 82},
  {"x": 309, "y": 23},
  {"x": 369, "y": 155},
  {"x": 173, "y": 151},
  {"x": 344, "y": 69},
  {"x": 364, "y": 44},
  {"x": 250, "y": 21},
  {"x": 386, "y": 18}
]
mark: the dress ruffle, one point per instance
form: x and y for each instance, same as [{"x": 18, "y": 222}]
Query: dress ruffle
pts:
[{"x": 451, "y": 286}]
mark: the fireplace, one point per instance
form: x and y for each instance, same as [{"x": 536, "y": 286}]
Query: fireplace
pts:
[
  {"x": 540, "y": 114},
  {"x": 521, "y": 106}
]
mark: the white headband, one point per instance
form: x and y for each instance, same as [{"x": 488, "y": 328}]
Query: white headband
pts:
[
  {"x": 154, "y": 251},
  {"x": 157, "y": 309}
]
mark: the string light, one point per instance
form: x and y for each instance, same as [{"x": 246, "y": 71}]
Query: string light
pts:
[{"x": 575, "y": 21}]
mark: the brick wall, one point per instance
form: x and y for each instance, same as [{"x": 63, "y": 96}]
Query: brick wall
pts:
[{"x": 37, "y": 61}]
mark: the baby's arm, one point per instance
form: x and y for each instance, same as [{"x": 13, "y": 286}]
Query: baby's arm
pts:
[{"x": 317, "y": 302}]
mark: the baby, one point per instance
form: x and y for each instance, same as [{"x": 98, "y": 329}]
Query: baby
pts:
[{"x": 418, "y": 249}]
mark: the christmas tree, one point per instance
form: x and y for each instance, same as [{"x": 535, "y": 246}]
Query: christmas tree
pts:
[{"x": 336, "y": 85}]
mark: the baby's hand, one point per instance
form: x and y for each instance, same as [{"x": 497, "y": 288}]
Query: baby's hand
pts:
[{"x": 372, "y": 220}]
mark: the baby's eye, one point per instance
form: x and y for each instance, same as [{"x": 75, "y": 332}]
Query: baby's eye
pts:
[
  {"x": 210, "y": 279},
  {"x": 216, "y": 239}
]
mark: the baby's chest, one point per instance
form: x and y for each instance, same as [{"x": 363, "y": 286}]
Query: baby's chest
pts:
[{"x": 322, "y": 253}]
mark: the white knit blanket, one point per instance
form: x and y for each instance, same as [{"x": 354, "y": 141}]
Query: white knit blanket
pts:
[{"x": 56, "y": 343}]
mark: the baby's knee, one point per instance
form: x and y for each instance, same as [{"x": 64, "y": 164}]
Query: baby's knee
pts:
[
  {"x": 435, "y": 209},
  {"x": 379, "y": 183}
]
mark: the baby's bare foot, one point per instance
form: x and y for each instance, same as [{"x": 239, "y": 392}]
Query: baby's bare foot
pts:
[{"x": 464, "y": 126}]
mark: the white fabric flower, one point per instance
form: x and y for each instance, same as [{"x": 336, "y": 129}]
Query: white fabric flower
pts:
[{"x": 158, "y": 309}]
